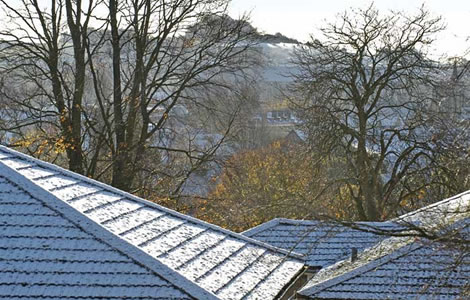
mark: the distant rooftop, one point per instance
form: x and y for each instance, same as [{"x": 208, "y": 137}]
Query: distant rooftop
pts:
[{"x": 322, "y": 243}]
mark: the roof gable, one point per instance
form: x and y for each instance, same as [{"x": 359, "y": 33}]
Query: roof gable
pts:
[{"x": 224, "y": 263}]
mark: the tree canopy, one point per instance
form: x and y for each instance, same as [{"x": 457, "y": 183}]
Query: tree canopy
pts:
[{"x": 365, "y": 91}]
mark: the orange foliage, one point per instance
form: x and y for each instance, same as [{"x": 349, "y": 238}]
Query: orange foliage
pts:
[{"x": 280, "y": 180}]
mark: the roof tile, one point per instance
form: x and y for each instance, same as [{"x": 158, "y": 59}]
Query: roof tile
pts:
[{"x": 194, "y": 248}]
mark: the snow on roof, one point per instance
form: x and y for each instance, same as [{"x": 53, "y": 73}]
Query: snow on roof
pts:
[
  {"x": 322, "y": 243},
  {"x": 301, "y": 134},
  {"x": 408, "y": 266},
  {"x": 413, "y": 269},
  {"x": 48, "y": 250},
  {"x": 439, "y": 213},
  {"x": 224, "y": 263}
]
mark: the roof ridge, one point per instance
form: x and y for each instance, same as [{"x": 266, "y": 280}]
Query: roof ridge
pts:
[
  {"x": 114, "y": 241},
  {"x": 429, "y": 207},
  {"x": 348, "y": 274},
  {"x": 261, "y": 227},
  {"x": 278, "y": 221},
  {"x": 300, "y": 222},
  {"x": 149, "y": 203}
]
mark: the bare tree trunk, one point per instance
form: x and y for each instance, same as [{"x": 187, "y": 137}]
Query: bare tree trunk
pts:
[
  {"x": 79, "y": 35},
  {"x": 121, "y": 156}
]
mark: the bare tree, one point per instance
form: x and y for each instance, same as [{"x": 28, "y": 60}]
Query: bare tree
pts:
[
  {"x": 163, "y": 53},
  {"x": 44, "y": 71},
  {"x": 363, "y": 93},
  {"x": 105, "y": 95},
  {"x": 450, "y": 170}
]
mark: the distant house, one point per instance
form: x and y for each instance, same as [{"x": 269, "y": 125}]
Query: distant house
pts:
[
  {"x": 296, "y": 136},
  {"x": 67, "y": 236}
]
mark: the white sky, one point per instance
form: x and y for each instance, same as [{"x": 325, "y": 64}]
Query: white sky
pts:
[{"x": 299, "y": 18}]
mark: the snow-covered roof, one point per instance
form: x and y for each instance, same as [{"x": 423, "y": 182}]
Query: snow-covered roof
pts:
[
  {"x": 439, "y": 213},
  {"x": 415, "y": 270},
  {"x": 50, "y": 251},
  {"x": 322, "y": 243},
  {"x": 226, "y": 264},
  {"x": 297, "y": 135},
  {"x": 404, "y": 267}
]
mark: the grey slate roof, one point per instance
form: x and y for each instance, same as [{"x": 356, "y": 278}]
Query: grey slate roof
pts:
[
  {"x": 322, "y": 243},
  {"x": 50, "y": 251},
  {"x": 224, "y": 263},
  {"x": 405, "y": 267}
]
